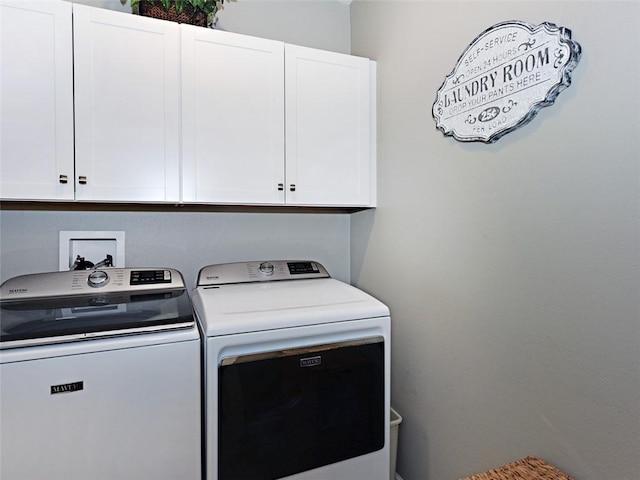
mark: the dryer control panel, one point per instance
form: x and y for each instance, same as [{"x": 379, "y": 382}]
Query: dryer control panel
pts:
[{"x": 260, "y": 271}]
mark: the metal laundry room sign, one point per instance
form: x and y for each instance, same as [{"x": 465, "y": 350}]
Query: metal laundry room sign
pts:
[{"x": 503, "y": 78}]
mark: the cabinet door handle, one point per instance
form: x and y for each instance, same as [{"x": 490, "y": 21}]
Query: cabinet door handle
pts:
[
  {"x": 64, "y": 179},
  {"x": 82, "y": 180},
  {"x": 280, "y": 187},
  {"x": 292, "y": 187}
]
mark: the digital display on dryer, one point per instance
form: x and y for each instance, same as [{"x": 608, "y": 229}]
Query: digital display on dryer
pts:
[{"x": 300, "y": 268}]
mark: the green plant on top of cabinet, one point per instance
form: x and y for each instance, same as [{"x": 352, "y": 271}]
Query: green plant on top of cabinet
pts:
[{"x": 195, "y": 12}]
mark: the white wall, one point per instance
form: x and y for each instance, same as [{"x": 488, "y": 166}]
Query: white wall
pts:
[
  {"x": 188, "y": 241},
  {"x": 511, "y": 270}
]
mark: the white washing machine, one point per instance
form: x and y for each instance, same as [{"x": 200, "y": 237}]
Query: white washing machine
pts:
[
  {"x": 99, "y": 377},
  {"x": 296, "y": 369}
]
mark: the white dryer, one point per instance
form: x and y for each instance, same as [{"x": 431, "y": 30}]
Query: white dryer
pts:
[
  {"x": 99, "y": 377},
  {"x": 296, "y": 379}
]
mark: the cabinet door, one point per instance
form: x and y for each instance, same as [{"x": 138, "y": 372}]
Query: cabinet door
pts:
[
  {"x": 328, "y": 128},
  {"x": 127, "y": 100},
  {"x": 36, "y": 101},
  {"x": 232, "y": 118}
]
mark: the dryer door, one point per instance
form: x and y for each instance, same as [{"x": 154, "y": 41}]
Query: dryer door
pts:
[{"x": 289, "y": 411}]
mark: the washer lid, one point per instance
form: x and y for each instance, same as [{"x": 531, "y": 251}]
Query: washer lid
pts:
[
  {"x": 251, "y": 307},
  {"x": 133, "y": 302}
]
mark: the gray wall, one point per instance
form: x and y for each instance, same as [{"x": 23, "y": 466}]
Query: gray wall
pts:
[
  {"x": 511, "y": 270},
  {"x": 312, "y": 23},
  {"x": 190, "y": 240},
  {"x": 320, "y": 24},
  {"x": 183, "y": 240}
]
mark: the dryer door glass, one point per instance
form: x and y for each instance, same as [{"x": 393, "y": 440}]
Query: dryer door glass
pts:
[{"x": 286, "y": 412}]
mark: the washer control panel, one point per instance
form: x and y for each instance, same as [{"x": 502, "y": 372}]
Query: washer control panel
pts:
[
  {"x": 260, "y": 271},
  {"x": 107, "y": 280}
]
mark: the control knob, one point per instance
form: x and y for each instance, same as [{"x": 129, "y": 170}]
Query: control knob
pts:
[
  {"x": 98, "y": 279},
  {"x": 266, "y": 268}
]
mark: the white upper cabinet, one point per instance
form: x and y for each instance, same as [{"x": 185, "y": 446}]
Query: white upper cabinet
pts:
[
  {"x": 237, "y": 146},
  {"x": 127, "y": 107},
  {"x": 232, "y": 118},
  {"x": 171, "y": 113},
  {"x": 36, "y": 101},
  {"x": 329, "y": 157}
]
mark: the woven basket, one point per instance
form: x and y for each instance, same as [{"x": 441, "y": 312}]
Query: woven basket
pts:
[
  {"x": 156, "y": 10},
  {"x": 529, "y": 468}
]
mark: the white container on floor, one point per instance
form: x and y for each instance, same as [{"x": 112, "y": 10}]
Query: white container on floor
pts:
[{"x": 396, "y": 419}]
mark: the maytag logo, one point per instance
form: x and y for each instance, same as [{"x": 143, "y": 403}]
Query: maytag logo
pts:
[
  {"x": 311, "y": 361},
  {"x": 18, "y": 290},
  {"x": 67, "y": 388}
]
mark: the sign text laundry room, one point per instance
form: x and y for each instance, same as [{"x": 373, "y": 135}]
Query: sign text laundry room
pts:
[{"x": 503, "y": 78}]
